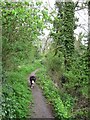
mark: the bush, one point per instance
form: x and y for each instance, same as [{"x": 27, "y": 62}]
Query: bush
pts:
[
  {"x": 16, "y": 96},
  {"x": 62, "y": 108}
]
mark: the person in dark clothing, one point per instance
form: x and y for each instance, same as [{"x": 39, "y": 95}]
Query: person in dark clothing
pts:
[
  {"x": 32, "y": 78},
  {"x": 32, "y": 81}
]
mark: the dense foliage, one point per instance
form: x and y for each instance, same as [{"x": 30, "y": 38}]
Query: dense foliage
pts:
[
  {"x": 63, "y": 34},
  {"x": 22, "y": 23},
  {"x": 62, "y": 104},
  {"x": 64, "y": 73},
  {"x": 68, "y": 67}
]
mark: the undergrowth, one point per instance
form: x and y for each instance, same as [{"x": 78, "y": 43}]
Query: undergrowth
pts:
[
  {"x": 62, "y": 104},
  {"x": 16, "y": 95}
]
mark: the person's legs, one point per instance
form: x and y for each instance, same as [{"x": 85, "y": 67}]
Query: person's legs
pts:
[{"x": 32, "y": 84}]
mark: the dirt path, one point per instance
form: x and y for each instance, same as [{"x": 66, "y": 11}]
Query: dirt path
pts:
[{"x": 40, "y": 108}]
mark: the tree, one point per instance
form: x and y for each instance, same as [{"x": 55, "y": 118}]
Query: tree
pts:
[{"x": 64, "y": 26}]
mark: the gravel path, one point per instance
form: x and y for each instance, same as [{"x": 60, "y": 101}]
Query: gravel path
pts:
[{"x": 40, "y": 108}]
